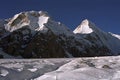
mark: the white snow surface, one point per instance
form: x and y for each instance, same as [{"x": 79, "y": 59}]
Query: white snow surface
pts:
[
  {"x": 84, "y": 28},
  {"x": 32, "y": 70},
  {"x": 94, "y": 68},
  {"x": 115, "y": 35},
  {"x": 42, "y": 20},
  {"x": 4, "y": 72}
]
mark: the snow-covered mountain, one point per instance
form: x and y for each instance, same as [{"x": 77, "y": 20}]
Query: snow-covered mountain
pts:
[
  {"x": 35, "y": 34},
  {"x": 89, "y": 31},
  {"x": 36, "y": 21}
]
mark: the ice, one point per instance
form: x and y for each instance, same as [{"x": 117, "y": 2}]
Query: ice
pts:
[
  {"x": 20, "y": 69},
  {"x": 99, "y": 68},
  {"x": 117, "y": 75},
  {"x": 4, "y": 72},
  {"x": 32, "y": 70}
]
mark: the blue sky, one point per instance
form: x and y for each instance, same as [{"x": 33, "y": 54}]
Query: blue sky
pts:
[{"x": 104, "y": 13}]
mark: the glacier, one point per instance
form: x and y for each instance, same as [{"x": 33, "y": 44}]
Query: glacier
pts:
[{"x": 94, "y": 68}]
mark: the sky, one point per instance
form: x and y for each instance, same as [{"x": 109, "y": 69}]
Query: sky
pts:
[{"x": 104, "y": 13}]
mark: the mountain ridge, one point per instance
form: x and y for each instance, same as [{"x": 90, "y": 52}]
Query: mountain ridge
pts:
[{"x": 35, "y": 34}]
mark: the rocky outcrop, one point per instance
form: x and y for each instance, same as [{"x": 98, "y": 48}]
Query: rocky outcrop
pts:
[{"x": 44, "y": 46}]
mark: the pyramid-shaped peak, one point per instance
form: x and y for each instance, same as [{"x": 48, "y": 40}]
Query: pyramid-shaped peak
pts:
[
  {"x": 84, "y": 27},
  {"x": 44, "y": 13},
  {"x": 86, "y": 21}
]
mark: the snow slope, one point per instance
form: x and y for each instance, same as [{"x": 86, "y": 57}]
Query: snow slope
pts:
[
  {"x": 89, "y": 31},
  {"x": 115, "y": 35},
  {"x": 94, "y": 68}
]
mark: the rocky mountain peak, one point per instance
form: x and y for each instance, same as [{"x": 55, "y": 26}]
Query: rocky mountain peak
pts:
[
  {"x": 83, "y": 28},
  {"x": 85, "y": 22},
  {"x": 86, "y": 27},
  {"x": 35, "y": 20}
]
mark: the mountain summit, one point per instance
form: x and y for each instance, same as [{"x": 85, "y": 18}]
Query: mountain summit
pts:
[
  {"x": 35, "y": 20},
  {"x": 34, "y": 34},
  {"x": 84, "y": 28},
  {"x": 89, "y": 31}
]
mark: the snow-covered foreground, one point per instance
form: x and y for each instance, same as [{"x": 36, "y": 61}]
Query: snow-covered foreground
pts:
[{"x": 102, "y": 68}]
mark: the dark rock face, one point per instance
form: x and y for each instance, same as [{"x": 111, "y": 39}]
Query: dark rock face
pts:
[
  {"x": 97, "y": 47},
  {"x": 1, "y": 56},
  {"x": 41, "y": 45},
  {"x": 45, "y": 46},
  {"x": 15, "y": 41},
  {"x": 2, "y": 28}
]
